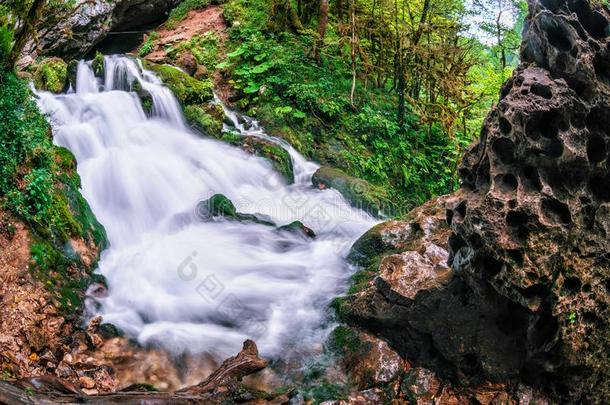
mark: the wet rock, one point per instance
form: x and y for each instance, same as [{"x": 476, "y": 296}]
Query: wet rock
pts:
[
  {"x": 219, "y": 206},
  {"x": 358, "y": 192},
  {"x": 97, "y": 64},
  {"x": 421, "y": 384},
  {"x": 207, "y": 119},
  {"x": 275, "y": 154},
  {"x": 86, "y": 382},
  {"x": 298, "y": 227}
]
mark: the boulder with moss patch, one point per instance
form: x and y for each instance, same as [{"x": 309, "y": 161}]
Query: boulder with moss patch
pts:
[
  {"x": 51, "y": 75},
  {"x": 188, "y": 90},
  {"x": 360, "y": 193},
  {"x": 219, "y": 206},
  {"x": 207, "y": 119}
]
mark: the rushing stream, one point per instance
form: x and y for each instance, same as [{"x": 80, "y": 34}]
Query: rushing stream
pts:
[{"x": 175, "y": 279}]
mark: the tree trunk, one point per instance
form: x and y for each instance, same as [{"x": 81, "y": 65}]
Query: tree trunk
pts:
[
  {"x": 322, "y": 24},
  {"x": 22, "y": 35},
  {"x": 353, "y": 49}
]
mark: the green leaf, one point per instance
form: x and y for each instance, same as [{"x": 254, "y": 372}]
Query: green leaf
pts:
[
  {"x": 299, "y": 114},
  {"x": 263, "y": 67},
  {"x": 239, "y": 51},
  {"x": 252, "y": 88}
]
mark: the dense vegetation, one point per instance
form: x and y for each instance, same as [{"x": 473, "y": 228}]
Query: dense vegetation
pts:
[
  {"x": 38, "y": 181},
  {"x": 388, "y": 91}
]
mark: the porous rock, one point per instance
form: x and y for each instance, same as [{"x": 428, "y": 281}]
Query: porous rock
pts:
[{"x": 525, "y": 295}]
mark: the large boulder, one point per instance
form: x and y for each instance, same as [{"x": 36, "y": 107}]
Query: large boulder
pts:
[
  {"x": 525, "y": 295},
  {"x": 534, "y": 225},
  {"x": 73, "y": 33}
]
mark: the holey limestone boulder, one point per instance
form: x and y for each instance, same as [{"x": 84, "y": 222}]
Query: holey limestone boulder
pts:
[
  {"x": 535, "y": 225},
  {"x": 527, "y": 294}
]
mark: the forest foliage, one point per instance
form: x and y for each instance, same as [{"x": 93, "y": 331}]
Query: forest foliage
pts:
[{"x": 388, "y": 90}]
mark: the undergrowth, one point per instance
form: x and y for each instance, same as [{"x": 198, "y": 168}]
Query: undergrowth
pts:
[{"x": 39, "y": 184}]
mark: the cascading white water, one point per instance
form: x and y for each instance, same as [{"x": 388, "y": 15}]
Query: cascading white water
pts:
[{"x": 174, "y": 279}]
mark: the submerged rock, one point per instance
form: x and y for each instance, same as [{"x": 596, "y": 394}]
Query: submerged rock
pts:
[{"x": 358, "y": 192}]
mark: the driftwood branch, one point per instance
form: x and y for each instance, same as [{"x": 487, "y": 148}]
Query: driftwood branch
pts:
[{"x": 218, "y": 387}]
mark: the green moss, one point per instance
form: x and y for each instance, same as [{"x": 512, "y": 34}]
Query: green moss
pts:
[
  {"x": 51, "y": 75},
  {"x": 203, "y": 121},
  {"x": 344, "y": 340},
  {"x": 98, "y": 64},
  {"x": 148, "y": 45},
  {"x": 217, "y": 205},
  {"x": 204, "y": 49},
  {"x": 359, "y": 192},
  {"x": 275, "y": 154},
  {"x": 40, "y": 185},
  {"x": 188, "y": 90}
]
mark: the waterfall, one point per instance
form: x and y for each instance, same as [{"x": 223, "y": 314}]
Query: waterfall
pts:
[{"x": 175, "y": 279}]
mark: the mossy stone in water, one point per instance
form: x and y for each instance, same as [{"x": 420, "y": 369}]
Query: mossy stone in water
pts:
[
  {"x": 215, "y": 206},
  {"x": 298, "y": 227}
]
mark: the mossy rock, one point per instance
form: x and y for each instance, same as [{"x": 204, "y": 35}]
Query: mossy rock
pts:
[
  {"x": 217, "y": 205},
  {"x": 109, "y": 331},
  {"x": 220, "y": 206},
  {"x": 51, "y": 75},
  {"x": 206, "y": 119},
  {"x": 299, "y": 228},
  {"x": 188, "y": 90},
  {"x": 72, "y": 72},
  {"x": 145, "y": 97},
  {"x": 272, "y": 152},
  {"x": 98, "y": 65},
  {"x": 358, "y": 192}
]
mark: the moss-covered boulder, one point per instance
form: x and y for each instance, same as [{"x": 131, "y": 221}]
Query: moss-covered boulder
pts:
[
  {"x": 299, "y": 228},
  {"x": 188, "y": 90},
  {"x": 51, "y": 75},
  {"x": 272, "y": 152},
  {"x": 358, "y": 192},
  {"x": 207, "y": 119},
  {"x": 219, "y": 206}
]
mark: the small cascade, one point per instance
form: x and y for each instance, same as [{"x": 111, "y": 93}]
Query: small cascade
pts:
[
  {"x": 175, "y": 278},
  {"x": 247, "y": 126}
]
